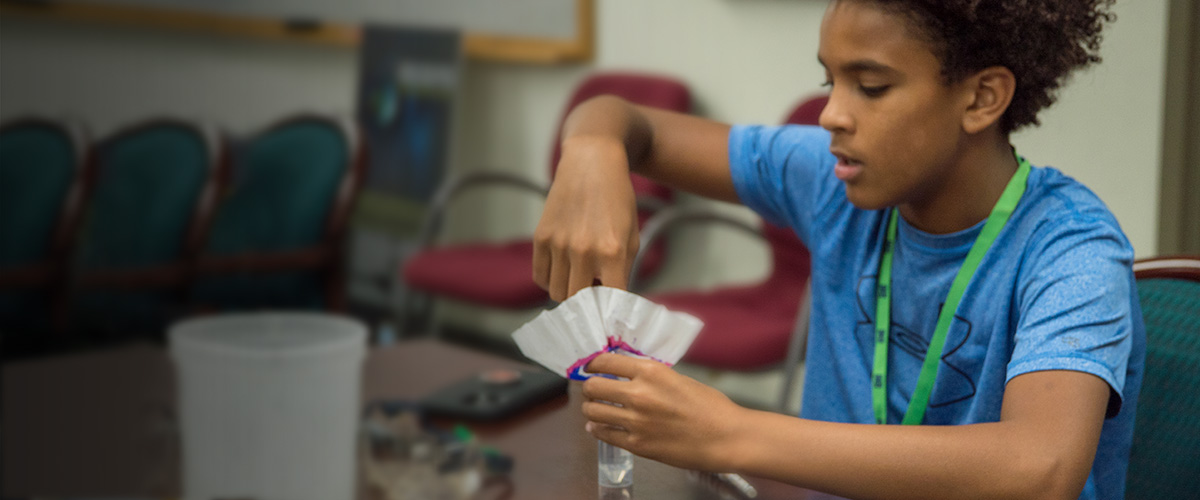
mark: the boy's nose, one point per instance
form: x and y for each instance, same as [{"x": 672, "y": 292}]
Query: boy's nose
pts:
[{"x": 834, "y": 117}]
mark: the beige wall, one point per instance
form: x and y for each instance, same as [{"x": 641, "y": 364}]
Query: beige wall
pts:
[
  {"x": 1106, "y": 129},
  {"x": 109, "y": 76},
  {"x": 746, "y": 60}
]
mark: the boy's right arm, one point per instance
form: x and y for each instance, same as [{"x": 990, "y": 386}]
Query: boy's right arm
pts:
[{"x": 589, "y": 228}]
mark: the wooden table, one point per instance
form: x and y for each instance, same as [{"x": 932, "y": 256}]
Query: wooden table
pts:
[{"x": 102, "y": 424}]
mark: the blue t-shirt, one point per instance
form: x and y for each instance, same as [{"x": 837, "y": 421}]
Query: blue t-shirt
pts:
[{"x": 1054, "y": 292}]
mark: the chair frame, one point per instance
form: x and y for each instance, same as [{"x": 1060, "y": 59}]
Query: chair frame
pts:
[
  {"x": 431, "y": 226},
  {"x": 1186, "y": 267},
  {"x": 658, "y": 225},
  {"x": 335, "y": 224}
]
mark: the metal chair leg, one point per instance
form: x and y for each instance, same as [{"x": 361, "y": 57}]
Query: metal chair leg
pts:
[{"x": 797, "y": 348}]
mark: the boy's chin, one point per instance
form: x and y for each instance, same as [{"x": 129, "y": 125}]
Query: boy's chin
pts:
[{"x": 867, "y": 200}]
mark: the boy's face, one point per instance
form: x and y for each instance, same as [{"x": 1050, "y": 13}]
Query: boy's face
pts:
[{"x": 896, "y": 124}]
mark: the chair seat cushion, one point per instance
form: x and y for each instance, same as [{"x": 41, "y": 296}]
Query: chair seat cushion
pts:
[
  {"x": 745, "y": 328},
  {"x": 493, "y": 274}
]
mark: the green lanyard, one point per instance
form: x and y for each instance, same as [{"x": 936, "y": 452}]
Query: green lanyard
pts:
[{"x": 920, "y": 399}]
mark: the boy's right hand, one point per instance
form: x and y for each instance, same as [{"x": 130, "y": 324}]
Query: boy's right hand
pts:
[{"x": 589, "y": 228}]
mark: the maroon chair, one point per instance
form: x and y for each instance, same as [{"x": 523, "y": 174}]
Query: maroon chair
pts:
[
  {"x": 500, "y": 274},
  {"x": 753, "y": 327},
  {"x": 808, "y": 112}
]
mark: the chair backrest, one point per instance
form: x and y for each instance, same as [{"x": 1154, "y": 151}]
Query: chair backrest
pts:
[
  {"x": 790, "y": 256},
  {"x": 289, "y": 186},
  {"x": 639, "y": 88},
  {"x": 808, "y": 112},
  {"x": 1165, "y": 458},
  {"x": 153, "y": 183},
  {"x": 43, "y": 165},
  {"x": 277, "y": 239},
  {"x": 152, "y": 189}
]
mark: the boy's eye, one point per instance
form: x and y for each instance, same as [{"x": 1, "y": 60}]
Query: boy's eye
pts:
[
  {"x": 873, "y": 91},
  {"x": 827, "y": 83}
]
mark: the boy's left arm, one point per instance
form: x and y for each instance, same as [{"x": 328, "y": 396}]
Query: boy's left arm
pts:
[{"x": 1042, "y": 447}]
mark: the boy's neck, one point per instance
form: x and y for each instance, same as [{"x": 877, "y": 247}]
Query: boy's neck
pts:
[{"x": 967, "y": 195}]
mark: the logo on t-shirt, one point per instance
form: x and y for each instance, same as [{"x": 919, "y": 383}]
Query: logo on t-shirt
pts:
[{"x": 955, "y": 379}]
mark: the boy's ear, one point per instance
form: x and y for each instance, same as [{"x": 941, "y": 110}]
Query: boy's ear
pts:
[{"x": 991, "y": 91}]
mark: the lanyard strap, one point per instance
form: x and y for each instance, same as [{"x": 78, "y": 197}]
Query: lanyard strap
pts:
[{"x": 883, "y": 300}]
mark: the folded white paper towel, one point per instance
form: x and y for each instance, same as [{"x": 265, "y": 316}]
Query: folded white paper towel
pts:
[{"x": 603, "y": 319}]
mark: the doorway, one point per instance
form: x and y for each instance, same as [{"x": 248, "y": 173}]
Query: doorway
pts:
[{"x": 1179, "y": 198}]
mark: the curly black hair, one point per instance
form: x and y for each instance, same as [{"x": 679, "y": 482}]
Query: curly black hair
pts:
[{"x": 1040, "y": 41}]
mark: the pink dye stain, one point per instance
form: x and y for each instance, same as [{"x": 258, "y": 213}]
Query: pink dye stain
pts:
[{"x": 575, "y": 371}]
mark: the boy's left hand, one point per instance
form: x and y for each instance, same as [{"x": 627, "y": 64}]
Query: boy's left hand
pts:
[{"x": 664, "y": 416}]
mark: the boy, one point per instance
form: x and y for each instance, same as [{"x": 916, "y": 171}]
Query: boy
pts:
[{"x": 939, "y": 255}]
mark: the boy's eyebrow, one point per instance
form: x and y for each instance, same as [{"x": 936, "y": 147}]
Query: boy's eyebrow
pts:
[{"x": 862, "y": 66}]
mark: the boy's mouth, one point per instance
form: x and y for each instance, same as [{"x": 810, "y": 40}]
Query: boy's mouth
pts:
[{"x": 847, "y": 168}]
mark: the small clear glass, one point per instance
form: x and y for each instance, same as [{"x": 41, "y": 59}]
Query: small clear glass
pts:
[
  {"x": 616, "y": 465},
  {"x": 606, "y": 493}
]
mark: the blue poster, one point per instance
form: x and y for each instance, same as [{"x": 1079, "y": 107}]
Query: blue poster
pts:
[{"x": 409, "y": 77}]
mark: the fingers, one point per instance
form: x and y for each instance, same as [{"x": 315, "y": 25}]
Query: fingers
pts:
[
  {"x": 607, "y": 414},
  {"x": 615, "y": 436},
  {"x": 606, "y": 389},
  {"x": 560, "y": 273},
  {"x": 570, "y": 253},
  {"x": 541, "y": 261},
  {"x": 614, "y": 257},
  {"x": 622, "y": 366},
  {"x": 608, "y": 420},
  {"x": 562, "y": 270},
  {"x": 582, "y": 273},
  {"x": 615, "y": 273}
]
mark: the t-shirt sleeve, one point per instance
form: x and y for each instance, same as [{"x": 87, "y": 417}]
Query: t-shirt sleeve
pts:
[
  {"x": 1077, "y": 310},
  {"x": 783, "y": 173}
]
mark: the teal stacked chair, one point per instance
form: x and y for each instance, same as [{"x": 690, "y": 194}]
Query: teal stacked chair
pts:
[
  {"x": 43, "y": 166},
  {"x": 1165, "y": 459},
  {"x": 154, "y": 188},
  {"x": 277, "y": 239}
]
